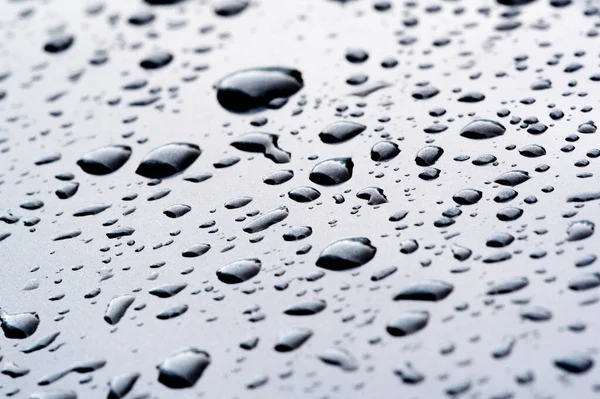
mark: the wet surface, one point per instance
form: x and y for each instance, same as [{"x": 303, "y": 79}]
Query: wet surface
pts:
[{"x": 321, "y": 199}]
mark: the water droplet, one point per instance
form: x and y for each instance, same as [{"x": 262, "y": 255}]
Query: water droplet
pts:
[
  {"x": 513, "y": 178},
  {"x": 168, "y": 160},
  {"x": 267, "y": 220},
  {"x": 184, "y": 368},
  {"x": 346, "y": 254},
  {"x": 105, "y": 160},
  {"x": 239, "y": 271},
  {"x": 230, "y": 8},
  {"x": 278, "y": 177},
  {"x": 480, "y": 129},
  {"x": 339, "y": 357},
  {"x": 157, "y": 60},
  {"x": 384, "y": 151},
  {"x": 177, "y": 210},
  {"x": 408, "y": 322},
  {"x": 428, "y": 155},
  {"x": 117, "y": 307},
  {"x": 42, "y": 343},
  {"x": 580, "y": 230},
  {"x": 574, "y": 363},
  {"x": 468, "y": 196},
  {"x": 258, "y": 88},
  {"x": 508, "y": 286},
  {"x": 292, "y": 339},
  {"x": 168, "y": 290},
  {"x": 536, "y": 313},
  {"x": 297, "y": 233},
  {"x": 59, "y": 43},
  {"x": 332, "y": 171},
  {"x": 304, "y": 194},
  {"x": 264, "y": 143},
  {"x": 19, "y": 325},
  {"x": 120, "y": 386},
  {"x": 306, "y": 308},
  {"x": 428, "y": 290},
  {"x": 339, "y": 132}
]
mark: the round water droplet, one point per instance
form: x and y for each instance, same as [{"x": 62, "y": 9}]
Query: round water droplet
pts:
[{"x": 332, "y": 171}]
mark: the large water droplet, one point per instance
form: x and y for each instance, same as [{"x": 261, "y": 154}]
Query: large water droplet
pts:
[
  {"x": 292, "y": 339},
  {"x": 117, "y": 307},
  {"x": 408, "y": 322},
  {"x": 306, "y": 308},
  {"x": 346, "y": 254},
  {"x": 332, "y": 171},
  {"x": 428, "y": 290},
  {"x": 468, "y": 196},
  {"x": 258, "y": 88},
  {"x": 168, "y": 159},
  {"x": 508, "y": 286},
  {"x": 580, "y": 230},
  {"x": 341, "y": 131},
  {"x": 59, "y": 43},
  {"x": 19, "y": 325},
  {"x": 105, "y": 160},
  {"x": 184, "y": 368},
  {"x": 339, "y": 357},
  {"x": 574, "y": 363},
  {"x": 239, "y": 271},
  {"x": 265, "y": 143},
  {"x": 267, "y": 220},
  {"x": 120, "y": 386},
  {"x": 384, "y": 151},
  {"x": 428, "y": 155},
  {"x": 480, "y": 129}
]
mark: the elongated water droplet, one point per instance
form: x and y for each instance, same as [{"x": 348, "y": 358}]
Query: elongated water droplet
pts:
[
  {"x": 408, "y": 322},
  {"x": 258, "y": 88},
  {"x": 168, "y": 160},
  {"x": 346, "y": 254},
  {"x": 239, "y": 271},
  {"x": 105, "y": 160},
  {"x": 265, "y": 143}
]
